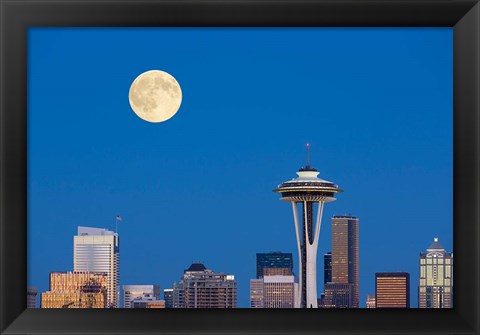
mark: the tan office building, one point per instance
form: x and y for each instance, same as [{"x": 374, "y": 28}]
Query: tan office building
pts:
[{"x": 345, "y": 259}]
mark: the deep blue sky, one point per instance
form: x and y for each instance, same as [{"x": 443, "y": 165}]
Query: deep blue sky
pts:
[{"x": 375, "y": 104}]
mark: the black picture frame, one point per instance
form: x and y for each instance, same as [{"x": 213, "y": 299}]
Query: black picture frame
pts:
[{"x": 18, "y": 16}]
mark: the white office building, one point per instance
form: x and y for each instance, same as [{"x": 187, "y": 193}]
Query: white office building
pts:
[
  {"x": 97, "y": 250},
  {"x": 142, "y": 292}
]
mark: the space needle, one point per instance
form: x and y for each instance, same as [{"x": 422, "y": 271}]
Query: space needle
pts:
[{"x": 307, "y": 189}]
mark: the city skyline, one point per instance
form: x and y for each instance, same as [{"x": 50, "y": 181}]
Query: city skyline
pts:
[
  {"x": 252, "y": 98},
  {"x": 275, "y": 285}
]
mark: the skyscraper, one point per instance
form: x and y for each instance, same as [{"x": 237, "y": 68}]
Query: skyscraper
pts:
[
  {"x": 275, "y": 263},
  {"x": 309, "y": 191},
  {"x": 132, "y": 292},
  {"x": 345, "y": 267},
  {"x": 435, "y": 288},
  {"x": 200, "y": 287},
  {"x": 98, "y": 250},
  {"x": 392, "y": 290},
  {"x": 327, "y": 267},
  {"x": 76, "y": 290},
  {"x": 168, "y": 297}
]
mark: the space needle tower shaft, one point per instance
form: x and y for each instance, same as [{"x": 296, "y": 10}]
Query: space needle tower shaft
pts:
[{"x": 306, "y": 192}]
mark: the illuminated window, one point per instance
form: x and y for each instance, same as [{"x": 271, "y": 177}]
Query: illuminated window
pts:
[{"x": 448, "y": 273}]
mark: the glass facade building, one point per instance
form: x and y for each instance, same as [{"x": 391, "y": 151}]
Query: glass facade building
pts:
[
  {"x": 76, "y": 290},
  {"x": 168, "y": 297},
  {"x": 274, "y": 263},
  {"x": 327, "y": 268}
]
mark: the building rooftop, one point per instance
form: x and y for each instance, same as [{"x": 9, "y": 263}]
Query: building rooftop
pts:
[
  {"x": 435, "y": 245},
  {"x": 345, "y": 216},
  {"x": 392, "y": 274},
  {"x": 83, "y": 231},
  {"x": 196, "y": 267}
]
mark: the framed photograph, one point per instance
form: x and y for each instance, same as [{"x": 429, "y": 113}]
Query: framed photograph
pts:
[{"x": 141, "y": 143}]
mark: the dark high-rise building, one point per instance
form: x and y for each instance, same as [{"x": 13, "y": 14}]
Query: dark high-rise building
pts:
[
  {"x": 31, "y": 297},
  {"x": 345, "y": 261},
  {"x": 338, "y": 295},
  {"x": 274, "y": 263},
  {"x": 392, "y": 290},
  {"x": 435, "y": 288},
  {"x": 327, "y": 267},
  {"x": 168, "y": 297}
]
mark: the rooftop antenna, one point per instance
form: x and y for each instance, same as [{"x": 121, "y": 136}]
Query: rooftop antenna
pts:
[{"x": 308, "y": 154}]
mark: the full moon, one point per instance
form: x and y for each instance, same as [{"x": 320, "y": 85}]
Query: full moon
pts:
[{"x": 155, "y": 96}]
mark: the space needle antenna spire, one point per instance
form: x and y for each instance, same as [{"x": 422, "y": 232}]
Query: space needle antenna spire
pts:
[{"x": 308, "y": 154}]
